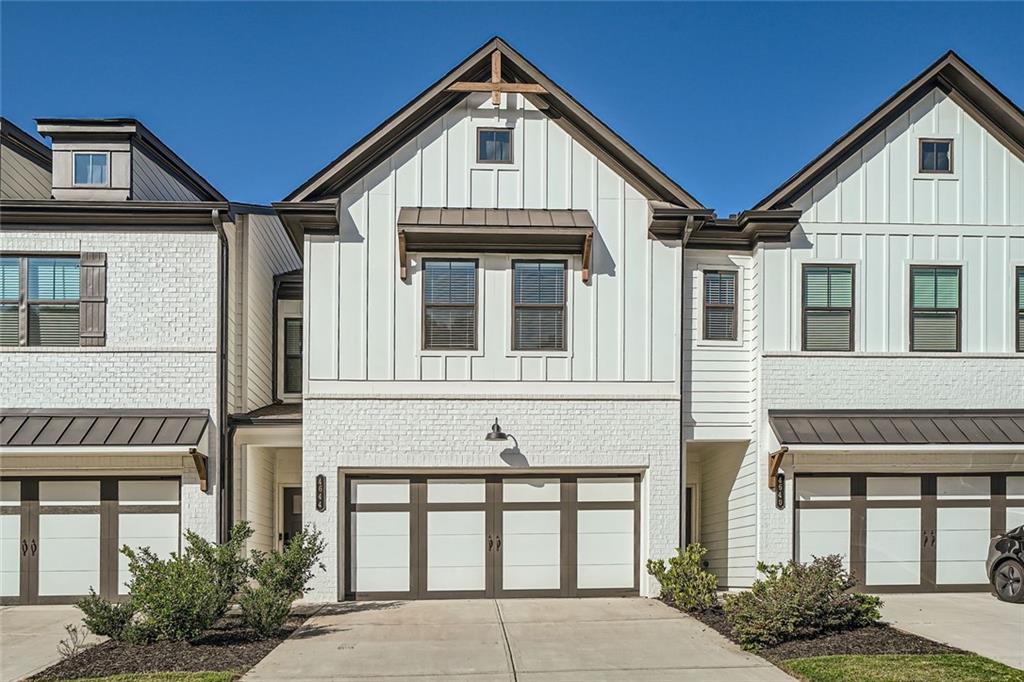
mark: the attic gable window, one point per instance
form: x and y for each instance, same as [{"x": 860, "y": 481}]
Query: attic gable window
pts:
[
  {"x": 494, "y": 145},
  {"x": 92, "y": 169},
  {"x": 936, "y": 156}
]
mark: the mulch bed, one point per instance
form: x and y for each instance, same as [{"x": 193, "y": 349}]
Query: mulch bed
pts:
[
  {"x": 227, "y": 646},
  {"x": 870, "y": 640}
]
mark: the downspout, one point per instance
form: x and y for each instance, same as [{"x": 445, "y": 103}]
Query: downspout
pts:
[
  {"x": 224, "y": 503},
  {"x": 683, "y": 238}
]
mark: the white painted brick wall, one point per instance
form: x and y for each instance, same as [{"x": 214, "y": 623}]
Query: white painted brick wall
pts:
[
  {"x": 161, "y": 340},
  {"x": 568, "y": 434},
  {"x": 874, "y": 381}
]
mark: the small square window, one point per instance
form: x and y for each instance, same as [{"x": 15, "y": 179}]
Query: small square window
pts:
[
  {"x": 936, "y": 156},
  {"x": 494, "y": 145},
  {"x": 91, "y": 169}
]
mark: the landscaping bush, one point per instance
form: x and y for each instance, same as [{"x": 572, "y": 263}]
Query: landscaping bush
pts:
[
  {"x": 684, "y": 583},
  {"x": 278, "y": 579},
  {"x": 177, "y": 598},
  {"x": 799, "y": 601}
]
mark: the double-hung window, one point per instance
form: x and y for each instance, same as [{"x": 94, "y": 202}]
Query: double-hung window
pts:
[
  {"x": 92, "y": 169},
  {"x": 720, "y": 305},
  {"x": 449, "y": 305},
  {"x": 1020, "y": 309},
  {"x": 538, "y": 305},
  {"x": 39, "y": 301},
  {"x": 293, "y": 355},
  {"x": 935, "y": 308},
  {"x": 828, "y": 308}
]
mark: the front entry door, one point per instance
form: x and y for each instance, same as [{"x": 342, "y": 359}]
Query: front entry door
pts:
[
  {"x": 491, "y": 536},
  {"x": 291, "y": 517}
]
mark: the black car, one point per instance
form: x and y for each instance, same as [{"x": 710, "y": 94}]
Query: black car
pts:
[{"x": 1005, "y": 565}]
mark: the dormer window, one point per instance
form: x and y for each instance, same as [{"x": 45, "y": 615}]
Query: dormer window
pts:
[
  {"x": 936, "y": 156},
  {"x": 92, "y": 169},
  {"x": 494, "y": 145}
]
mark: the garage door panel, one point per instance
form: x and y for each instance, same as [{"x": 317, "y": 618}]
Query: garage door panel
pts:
[
  {"x": 531, "y": 550},
  {"x": 604, "y": 548},
  {"x": 10, "y": 555},
  {"x": 69, "y": 554},
  {"x": 893, "y": 547},
  {"x": 381, "y": 579},
  {"x": 824, "y": 532},
  {"x": 456, "y": 578},
  {"x": 1014, "y": 517},
  {"x": 605, "y": 576}
]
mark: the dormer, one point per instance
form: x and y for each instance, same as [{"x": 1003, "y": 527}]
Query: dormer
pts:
[{"x": 118, "y": 159}]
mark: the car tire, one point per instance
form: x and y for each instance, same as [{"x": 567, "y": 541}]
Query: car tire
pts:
[{"x": 1008, "y": 581}]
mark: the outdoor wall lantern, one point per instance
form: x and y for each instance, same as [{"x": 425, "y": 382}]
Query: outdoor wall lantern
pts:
[{"x": 497, "y": 434}]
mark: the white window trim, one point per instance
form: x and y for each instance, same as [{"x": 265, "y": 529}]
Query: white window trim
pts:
[
  {"x": 75, "y": 155},
  {"x": 1011, "y": 306},
  {"x": 288, "y": 309},
  {"x": 698, "y": 305}
]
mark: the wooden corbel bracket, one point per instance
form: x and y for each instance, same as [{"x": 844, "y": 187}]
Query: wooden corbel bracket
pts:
[
  {"x": 403, "y": 263},
  {"x": 201, "y": 461},
  {"x": 587, "y": 247},
  {"x": 774, "y": 463}
]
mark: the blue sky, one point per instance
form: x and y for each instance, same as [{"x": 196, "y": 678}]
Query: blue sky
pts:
[{"x": 729, "y": 99}]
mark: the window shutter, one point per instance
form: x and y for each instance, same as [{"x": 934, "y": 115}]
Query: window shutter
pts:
[{"x": 93, "y": 291}]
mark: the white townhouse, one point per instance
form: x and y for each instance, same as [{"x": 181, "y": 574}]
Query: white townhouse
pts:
[
  {"x": 135, "y": 317},
  {"x": 491, "y": 350}
]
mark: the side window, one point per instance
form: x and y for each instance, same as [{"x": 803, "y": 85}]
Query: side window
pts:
[
  {"x": 828, "y": 308},
  {"x": 91, "y": 169},
  {"x": 494, "y": 145},
  {"x": 935, "y": 308},
  {"x": 293, "y": 355},
  {"x": 1020, "y": 309},
  {"x": 538, "y": 305},
  {"x": 936, "y": 156},
  {"x": 449, "y": 304},
  {"x": 720, "y": 320},
  {"x": 40, "y": 296}
]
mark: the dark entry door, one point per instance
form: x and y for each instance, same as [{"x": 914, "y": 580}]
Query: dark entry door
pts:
[{"x": 291, "y": 519}]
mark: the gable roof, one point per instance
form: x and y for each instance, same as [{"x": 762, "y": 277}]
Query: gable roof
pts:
[
  {"x": 950, "y": 73},
  {"x": 27, "y": 145},
  {"x": 411, "y": 119},
  {"x": 133, "y": 128}
]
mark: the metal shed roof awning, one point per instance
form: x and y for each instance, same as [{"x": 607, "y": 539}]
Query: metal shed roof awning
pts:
[
  {"x": 898, "y": 428},
  {"x": 547, "y": 231},
  {"x": 102, "y": 428}
]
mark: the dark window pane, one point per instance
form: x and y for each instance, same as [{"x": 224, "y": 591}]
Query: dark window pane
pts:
[
  {"x": 53, "y": 325},
  {"x": 293, "y": 337},
  {"x": 494, "y": 145},
  {"x": 10, "y": 279},
  {"x": 449, "y": 282},
  {"x": 720, "y": 288},
  {"x": 293, "y": 375},
  {"x": 540, "y": 283},
  {"x": 826, "y": 330},
  {"x": 540, "y": 329},
  {"x": 51, "y": 279},
  {"x": 937, "y": 156},
  {"x": 9, "y": 325},
  {"x": 719, "y": 324},
  {"x": 450, "y": 328},
  {"x": 935, "y": 331}
]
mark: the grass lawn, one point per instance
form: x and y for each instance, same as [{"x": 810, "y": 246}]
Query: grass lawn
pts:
[
  {"x": 901, "y": 668},
  {"x": 165, "y": 677}
]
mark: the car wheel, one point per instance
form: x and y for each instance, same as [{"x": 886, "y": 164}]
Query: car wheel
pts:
[{"x": 1008, "y": 579}]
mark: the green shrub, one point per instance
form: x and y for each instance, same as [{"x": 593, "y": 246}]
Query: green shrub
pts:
[
  {"x": 684, "y": 583},
  {"x": 104, "y": 617},
  {"x": 176, "y": 598},
  {"x": 798, "y": 601},
  {"x": 278, "y": 579}
]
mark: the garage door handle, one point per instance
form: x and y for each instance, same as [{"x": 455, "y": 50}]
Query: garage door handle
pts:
[
  {"x": 499, "y": 544},
  {"x": 490, "y": 543},
  {"x": 24, "y": 547},
  {"x": 924, "y": 538},
  {"x": 933, "y": 538},
  {"x": 33, "y": 547}
]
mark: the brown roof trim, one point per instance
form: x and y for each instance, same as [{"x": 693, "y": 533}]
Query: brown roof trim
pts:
[
  {"x": 27, "y": 145},
  {"x": 135, "y": 129},
  {"x": 288, "y": 285},
  {"x": 102, "y": 427},
  {"x": 958, "y": 79},
  {"x": 307, "y": 216},
  {"x": 424, "y": 109},
  {"x": 275, "y": 414},
  {"x": 50, "y": 214},
  {"x": 701, "y": 229},
  {"x": 898, "y": 427}
]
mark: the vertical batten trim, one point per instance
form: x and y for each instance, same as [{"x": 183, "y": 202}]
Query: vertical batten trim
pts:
[{"x": 621, "y": 285}]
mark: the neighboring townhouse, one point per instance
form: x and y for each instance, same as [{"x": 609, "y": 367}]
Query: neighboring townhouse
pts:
[
  {"x": 126, "y": 340},
  {"x": 892, "y": 352}
]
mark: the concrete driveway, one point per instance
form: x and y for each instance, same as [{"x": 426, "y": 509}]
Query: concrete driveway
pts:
[
  {"x": 29, "y": 636},
  {"x": 521, "y": 639},
  {"x": 974, "y": 621}
]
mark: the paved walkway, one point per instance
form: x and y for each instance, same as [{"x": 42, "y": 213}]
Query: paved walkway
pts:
[
  {"x": 29, "y": 636},
  {"x": 974, "y": 621},
  {"x": 522, "y": 639}
]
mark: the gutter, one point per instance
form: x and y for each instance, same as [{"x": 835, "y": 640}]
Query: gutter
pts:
[{"x": 223, "y": 441}]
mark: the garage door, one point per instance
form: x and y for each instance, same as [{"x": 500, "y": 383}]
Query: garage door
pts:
[
  {"x": 907, "y": 533},
  {"x": 60, "y": 537},
  {"x": 415, "y": 537}
]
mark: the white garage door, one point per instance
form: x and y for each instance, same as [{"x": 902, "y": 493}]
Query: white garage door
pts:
[
  {"x": 465, "y": 536},
  {"x": 907, "y": 533},
  {"x": 60, "y": 538}
]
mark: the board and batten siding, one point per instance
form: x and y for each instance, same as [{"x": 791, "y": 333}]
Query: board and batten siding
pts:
[
  {"x": 364, "y": 322},
  {"x": 880, "y": 214},
  {"x": 268, "y": 252},
  {"x": 21, "y": 177}
]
